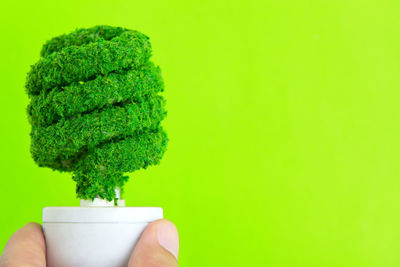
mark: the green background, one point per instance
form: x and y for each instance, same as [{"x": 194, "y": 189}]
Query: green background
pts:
[{"x": 283, "y": 123}]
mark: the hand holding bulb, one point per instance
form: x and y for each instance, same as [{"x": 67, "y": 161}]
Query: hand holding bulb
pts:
[{"x": 158, "y": 246}]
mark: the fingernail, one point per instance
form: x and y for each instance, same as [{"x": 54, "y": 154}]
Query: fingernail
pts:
[{"x": 168, "y": 238}]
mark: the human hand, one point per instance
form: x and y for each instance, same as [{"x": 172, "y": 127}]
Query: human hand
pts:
[{"x": 157, "y": 246}]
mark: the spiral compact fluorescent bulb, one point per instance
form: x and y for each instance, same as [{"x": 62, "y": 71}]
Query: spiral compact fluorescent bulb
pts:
[{"x": 95, "y": 108}]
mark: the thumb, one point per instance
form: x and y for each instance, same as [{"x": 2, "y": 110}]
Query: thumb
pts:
[
  {"x": 158, "y": 246},
  {"x": 26, "y": 247}
]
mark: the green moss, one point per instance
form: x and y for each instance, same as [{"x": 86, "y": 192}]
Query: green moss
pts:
[
  {"x": 80, "y": 97},
  {"x": 80, "y": 63},
  {"x": 81, "y": 37},
  {"x": 95, "y": 109}
]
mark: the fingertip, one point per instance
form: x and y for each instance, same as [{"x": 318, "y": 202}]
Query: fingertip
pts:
[
  {"x": 32, "y": 228},
  {"x": 32, "y": 232},
  {"x": 157, "y": 246},
  {"x": 168, "y": 237},
  {"x": 25, "y": 247}
]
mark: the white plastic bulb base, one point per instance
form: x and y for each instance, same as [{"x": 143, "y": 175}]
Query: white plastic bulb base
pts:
[{"x": 95, "y": 234}]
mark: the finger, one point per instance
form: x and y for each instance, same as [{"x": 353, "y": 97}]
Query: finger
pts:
[
  {"x": 26, "y": 247},
  {"x": 158, "y": 246}
]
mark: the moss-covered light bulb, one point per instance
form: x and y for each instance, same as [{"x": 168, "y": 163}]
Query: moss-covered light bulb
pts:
[{"x": 95, "y": 108}]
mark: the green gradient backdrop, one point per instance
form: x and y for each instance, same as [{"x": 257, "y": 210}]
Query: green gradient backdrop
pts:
[{"x": 283, "y": 118}]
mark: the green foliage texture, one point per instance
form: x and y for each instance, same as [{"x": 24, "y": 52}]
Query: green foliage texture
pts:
[{"x": 95, "y": 108}]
